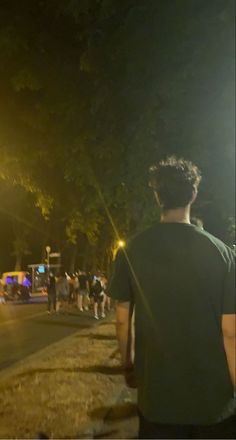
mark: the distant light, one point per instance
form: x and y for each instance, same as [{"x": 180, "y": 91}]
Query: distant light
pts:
[
  {"x": 9, "y": 280},
  {"x": 41, "y": 269},
  {"x": 121, "y": 243},
  {"x": 26, "y": 282}
]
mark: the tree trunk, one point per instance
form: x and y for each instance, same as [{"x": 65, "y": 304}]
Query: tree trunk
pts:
[
  {"x": 43, "y": 254},
  {"x": 103, "y": 259},
  {"x": 85, "y": 257},
  {"x": 73, "y": 255},
  {"x": 109, "y": 263},
  {"x": 18, "y": 263}
]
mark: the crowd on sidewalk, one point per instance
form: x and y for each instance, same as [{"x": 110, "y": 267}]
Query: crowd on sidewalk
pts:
[{"x": 85, "y": 290}]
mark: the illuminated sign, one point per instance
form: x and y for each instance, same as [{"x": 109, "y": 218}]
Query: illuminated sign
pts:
[{"x": 41, "y": 269}]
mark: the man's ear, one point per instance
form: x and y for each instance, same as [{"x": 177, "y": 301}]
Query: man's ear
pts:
[
  {"x": 194, "y": 196},
  {"x": 158, "y": 199}
]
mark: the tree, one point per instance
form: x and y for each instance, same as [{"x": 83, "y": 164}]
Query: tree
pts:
[
  {"x": 172, "y": 70},
  {"x": 95, "y": 91},
  {"x": 20, "y": 250}
]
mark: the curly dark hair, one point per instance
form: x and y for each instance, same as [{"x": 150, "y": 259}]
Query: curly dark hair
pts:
[{"x": 175, "y": 181}]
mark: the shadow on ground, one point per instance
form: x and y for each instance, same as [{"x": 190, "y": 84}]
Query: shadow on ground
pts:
[
  {"x": 98, "y": 337},
  {"x": 104, "y": 337},
  {"x": 64, "y": 323},
  {"x": 101, "y": 369},
  {"x": 106, "y": 434},
  {"x": 116, "y": 412},
  {"x": 104, "y": 323}
]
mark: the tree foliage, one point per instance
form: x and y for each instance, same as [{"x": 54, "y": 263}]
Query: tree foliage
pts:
[{"x": 94, "y": 91}]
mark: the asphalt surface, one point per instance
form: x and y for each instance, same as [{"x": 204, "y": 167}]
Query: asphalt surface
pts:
[{"x": 27, "y": 328}]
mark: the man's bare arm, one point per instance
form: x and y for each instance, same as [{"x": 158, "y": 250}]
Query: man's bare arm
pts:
[
  {"x": 124, "y": 312},
  {"x": 229, "y": 336}
]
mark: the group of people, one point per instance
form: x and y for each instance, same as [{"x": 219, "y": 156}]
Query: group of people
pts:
[
  {"x": 13, "y": 291},
  {"x": 86, "y": 291}
]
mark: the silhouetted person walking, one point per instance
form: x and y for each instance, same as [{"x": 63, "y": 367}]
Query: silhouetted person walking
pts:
[
  {"x": 51, "y": 289},
  {"x": 62, "y": 292}
]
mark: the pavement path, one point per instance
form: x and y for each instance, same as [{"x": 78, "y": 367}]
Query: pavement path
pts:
[
  {"x": 81, "y": 371},
  {"x": 26, "y": 329}
]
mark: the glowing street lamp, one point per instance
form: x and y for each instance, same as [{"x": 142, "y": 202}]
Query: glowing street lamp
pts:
[{"x": 121, "y": 243}]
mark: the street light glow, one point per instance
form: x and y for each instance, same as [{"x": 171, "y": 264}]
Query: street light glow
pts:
[{"x": 121, "y": 243}]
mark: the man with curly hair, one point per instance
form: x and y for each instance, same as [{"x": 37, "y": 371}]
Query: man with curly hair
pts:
[{"x": 181, "y": 281}]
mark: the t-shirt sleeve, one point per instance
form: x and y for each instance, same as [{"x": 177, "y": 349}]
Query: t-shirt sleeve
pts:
[
  {"x": 229, "y": 297},
  {"x": 120, "y": 283}
]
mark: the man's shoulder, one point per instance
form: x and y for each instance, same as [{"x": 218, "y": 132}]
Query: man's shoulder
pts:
[
  {"x": 142, "y": 237},
  {"x": 214, "y": 240},
  {"x": 218, "y": 245},
  {"x": 155, "y": 231}
]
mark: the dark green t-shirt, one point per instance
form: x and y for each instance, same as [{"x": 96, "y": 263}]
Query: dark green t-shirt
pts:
[{"x": 181, "y": 280}]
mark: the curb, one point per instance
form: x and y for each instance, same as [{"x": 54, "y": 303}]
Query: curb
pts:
[
  {"x": 114, "y": 416},
  {"x": 19, "y": 367}
]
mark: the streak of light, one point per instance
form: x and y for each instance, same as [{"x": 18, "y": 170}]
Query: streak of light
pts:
[{"x": 134, "y": 275}]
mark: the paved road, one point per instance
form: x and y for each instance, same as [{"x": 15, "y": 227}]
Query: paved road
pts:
[{"x": 26, "y": 328}]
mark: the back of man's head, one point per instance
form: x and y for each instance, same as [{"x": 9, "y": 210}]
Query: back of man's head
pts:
[{"x": 175, "y": 181}]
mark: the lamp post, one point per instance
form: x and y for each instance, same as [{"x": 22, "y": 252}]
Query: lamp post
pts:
[{"x": 48, "y": 250}]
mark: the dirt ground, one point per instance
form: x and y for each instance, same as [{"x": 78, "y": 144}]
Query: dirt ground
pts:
[{"x": 68, "y": 391}]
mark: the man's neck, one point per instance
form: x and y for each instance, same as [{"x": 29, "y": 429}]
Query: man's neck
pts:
[{"x": 179, "y": 215}]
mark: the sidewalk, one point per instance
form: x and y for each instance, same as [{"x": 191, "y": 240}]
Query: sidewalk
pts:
[{"x": 71, "y": 389}]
